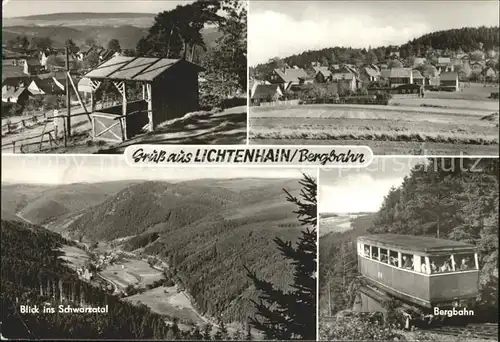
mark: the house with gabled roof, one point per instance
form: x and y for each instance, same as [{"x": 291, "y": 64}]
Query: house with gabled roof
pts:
[
  {"x": 322, "y": 74},
  {"x": 369, "y": 74},
  {"x": 32, "y": 66},
  {"x": 266, "y": 93},
  {"x": 346, "y": 81},
  {"x": 400, "y": 76},
  {"x": 15, "y": 94},
  {"x": 489, "y": 74},
  {"x": 289, "y": 76}
]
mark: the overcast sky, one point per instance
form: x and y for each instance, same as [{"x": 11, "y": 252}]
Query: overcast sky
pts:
[
  {"x": 64, "y": 169},
  {"x": 19, "y": 8},
  {"x": 284, "y": 28},
  {"x": 362, "y": 190}
]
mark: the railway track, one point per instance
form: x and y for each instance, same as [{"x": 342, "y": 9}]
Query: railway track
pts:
[{"x": 487, "y": 331}]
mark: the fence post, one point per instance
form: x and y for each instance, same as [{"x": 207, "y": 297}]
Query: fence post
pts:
[
  {"x": 14, "y": 146},
  {"x": 24, "y": 124}
]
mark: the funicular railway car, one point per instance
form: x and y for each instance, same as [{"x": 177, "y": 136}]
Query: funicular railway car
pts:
[{"x": 421, "y": 272}]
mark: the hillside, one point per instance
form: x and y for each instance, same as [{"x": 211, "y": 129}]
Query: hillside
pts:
[
  {"x": 41, "y": 204},
  {"x": 32, "y": 271},
  {"x": 143, "y": 20},
  {"x": 125, "y": 32}
]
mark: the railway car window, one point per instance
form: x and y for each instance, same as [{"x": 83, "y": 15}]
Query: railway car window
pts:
[
  {"x": 465, "y": 262},
  {"x": 374, "y": 252},
  {"x": 441, "y": 264},
  {"x": 384, "y": 256},
  {"x": 407, "y": 261},
  {"x": 393, "y": 258},
  {"x": 367, "y": 251}
]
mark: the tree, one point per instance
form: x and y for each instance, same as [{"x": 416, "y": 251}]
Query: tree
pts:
[
  {"x": 19, "y": 42},
  {"x": 91, "y": 60},
  {"x": 70, "y": 44},
  {"x": 41, "y": 43},
  {"x": 90, "y": 42},
  {"x": 114, "y": 45},
  {"x": 292, "y": 314},
  {"x": 394, "y": 63},
  {"x": 371, "y": 57}
]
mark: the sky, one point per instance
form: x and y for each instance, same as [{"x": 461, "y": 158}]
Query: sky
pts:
[
  {"x": 67, "y": 169},
  {"x": 284, "y": 28},
  {"x": 18, "y": 8},
  {"x": 362, "y": 190}
]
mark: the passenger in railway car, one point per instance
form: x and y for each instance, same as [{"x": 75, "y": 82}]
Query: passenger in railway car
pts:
[
  {"x": 383, "y": 257},
  {"x": 407, "y": 262},
  {"x": 464, "y": 265},
  {"x": 445, "y": 267},
  {"x": 423, "y": 266},
  {"x": 367, "y": 251},
  {"x": 374, "y": 253},
  {"x": 433, "y": 267}
]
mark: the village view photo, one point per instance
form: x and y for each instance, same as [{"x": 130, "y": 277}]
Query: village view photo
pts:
[
  {"x": 89, "y": 78},
  {"x": 402, "y": 77},
  {"x": 169, "y": 254}
]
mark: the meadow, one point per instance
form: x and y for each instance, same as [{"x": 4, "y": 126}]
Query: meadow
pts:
[
  {"x": 131, "y": 272},
  {"x": 434, "y": 124}
]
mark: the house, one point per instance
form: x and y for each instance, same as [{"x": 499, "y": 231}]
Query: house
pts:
[
  {"x": 10, "y": 57},
  {"x": 47, "y": 86},
  {"x": 400, "y": 76},
  {"x": 449, "y": 80},
  {"x": 14, "y": 75},
  {"x": 266, "y": 93},
  {"x": 369, "y": 74},
  {"x": 417, "y": 77},
  {"x": 289, "y": 76},
  {"x": 345, "y": 82},
  {"x": 348, "y": 68},
  {"x": 322, "y": 74},
  {"x": 14, "y": 94},
  {"x": 32, "y": 66}
]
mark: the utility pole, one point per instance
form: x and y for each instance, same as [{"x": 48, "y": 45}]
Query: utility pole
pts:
[{"x": 68, "y": 97}]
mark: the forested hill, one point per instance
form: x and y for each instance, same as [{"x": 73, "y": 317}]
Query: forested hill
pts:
[
  {"x": 208, "y": 231},
  {"x": 442, "y": 201},
  {"x": 467, "y": 39}
]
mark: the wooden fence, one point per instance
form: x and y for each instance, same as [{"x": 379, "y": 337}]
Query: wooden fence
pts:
[
  {"x": 280, "y": 103},
  {"x": 28, "y": 122}
]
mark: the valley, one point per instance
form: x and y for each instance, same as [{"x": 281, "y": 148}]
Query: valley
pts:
[{"x": 177, "y": 248}]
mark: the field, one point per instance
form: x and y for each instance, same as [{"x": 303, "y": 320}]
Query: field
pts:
[
  {"x": 224, "y": 128},
  {"x": 339, "y": 224},
  {"x": 75, "y": 257},
  {"x": 168, "y": 301},
  {"x": 131, "y": 272},
  {"x": 434, "y": 124}
]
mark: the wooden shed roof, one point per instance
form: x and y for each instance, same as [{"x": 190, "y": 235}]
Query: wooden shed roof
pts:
[
  {"x": 135, "y": 68},
  {"x": 415, "y": 243}
]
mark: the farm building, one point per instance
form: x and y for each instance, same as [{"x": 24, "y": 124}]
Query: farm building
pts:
[
  {"x": 14, "y": 94},
  {"x": 266, "y": 93},
  {"x": 322, "y": 74},
  {"x": 449, "y": 80},
  {"x": 169, "y": 90},
  {"x": 400, "y": 76}
]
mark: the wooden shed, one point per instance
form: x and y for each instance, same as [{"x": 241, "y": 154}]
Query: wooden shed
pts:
[{"x": 169, "y": 90}]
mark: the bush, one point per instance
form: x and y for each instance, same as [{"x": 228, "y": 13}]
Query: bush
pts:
[{"x": 169, "y": 283}]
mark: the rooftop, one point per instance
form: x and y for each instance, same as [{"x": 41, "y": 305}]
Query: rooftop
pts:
[
  {"x": 291, "y": 74},
  {"x": 415, "y": 243},
  {"x": 263, "y": 91},
  {"x": 135, "y": 68}
]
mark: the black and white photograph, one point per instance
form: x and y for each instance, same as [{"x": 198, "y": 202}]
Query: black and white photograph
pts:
[
  {"x": 403, "y": 77},
  {"x": 408, "y": 250},
  {"x": 97, "y": 76},
  {"x": 94, "y": 249}
]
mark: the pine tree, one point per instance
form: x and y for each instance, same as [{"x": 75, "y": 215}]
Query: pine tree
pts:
[
  {"x": 206, "y": 332},
  {"x": 292, "y": 314}
]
